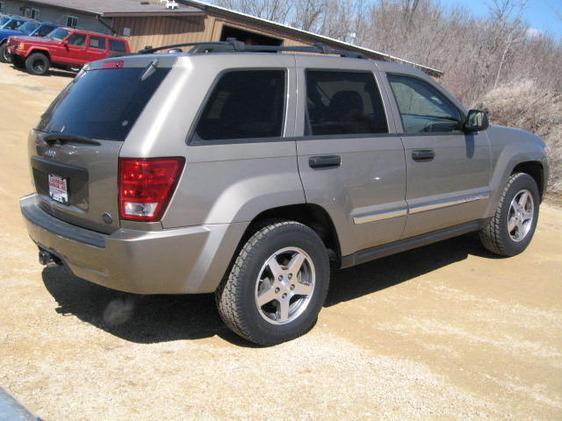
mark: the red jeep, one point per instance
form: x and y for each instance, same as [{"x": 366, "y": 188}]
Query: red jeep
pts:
[{"x": 65, "y": 48}]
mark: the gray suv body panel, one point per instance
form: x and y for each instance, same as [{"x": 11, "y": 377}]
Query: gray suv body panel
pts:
[{"x": 377, "y": 196}]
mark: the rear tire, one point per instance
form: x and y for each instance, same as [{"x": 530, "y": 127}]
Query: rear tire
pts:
[
  {"x": 277, "y": 285},
  {"x": 511, "y": 229},
  {"x": 37, "y": 64},
  {"x": 4, "y": 56}
]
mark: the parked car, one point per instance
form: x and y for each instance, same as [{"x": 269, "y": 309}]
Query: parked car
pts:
[
  {"x": 233, "y": 171},
  {"x": 64, "y": 48},
  {"x": 12, "y": 22},
  {"x": 31, "y": 28}
]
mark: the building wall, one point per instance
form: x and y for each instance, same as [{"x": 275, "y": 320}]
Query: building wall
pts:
[
  {"x": 166, "y": 30},
  {"x": 156, "y": 31},
  {"x": 57, "y": 15}
]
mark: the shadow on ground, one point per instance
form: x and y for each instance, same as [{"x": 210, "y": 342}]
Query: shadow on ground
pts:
[
  {"x": 51, "y": 72},
  {"x": 160, "y": 318}
]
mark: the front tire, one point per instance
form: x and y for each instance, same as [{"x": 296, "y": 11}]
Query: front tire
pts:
[
  {"x": 511, "y": 229},
  {"x": 37, "y": 64},
  {"x": 277, "y": 285}
]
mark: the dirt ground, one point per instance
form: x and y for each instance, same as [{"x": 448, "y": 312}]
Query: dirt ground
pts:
[{"x": 446, "y": 331}]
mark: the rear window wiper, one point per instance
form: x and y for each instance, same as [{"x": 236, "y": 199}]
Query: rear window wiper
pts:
[{"x": 52, "y": 138}]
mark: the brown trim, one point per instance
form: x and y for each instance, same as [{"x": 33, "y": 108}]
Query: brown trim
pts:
[{"x": 149, "y": 14}]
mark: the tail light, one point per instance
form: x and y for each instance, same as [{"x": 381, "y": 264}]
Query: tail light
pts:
[{"x": 146, "y": 185}]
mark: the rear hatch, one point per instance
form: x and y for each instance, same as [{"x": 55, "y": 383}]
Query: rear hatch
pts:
[{"x": 75, "y": 148}]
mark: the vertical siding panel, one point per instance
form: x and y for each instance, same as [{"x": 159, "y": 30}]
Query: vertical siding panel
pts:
[{"x": 164, "y": 30}]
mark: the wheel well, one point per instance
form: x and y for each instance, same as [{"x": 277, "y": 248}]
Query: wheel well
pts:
[
  {"x": 535, "y": 170},
  {"x": 44, "y": 52},
  {"x": 313, "y": 216}
]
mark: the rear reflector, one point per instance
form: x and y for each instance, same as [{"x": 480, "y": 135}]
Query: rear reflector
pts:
[{"x": 146, "y": 185}]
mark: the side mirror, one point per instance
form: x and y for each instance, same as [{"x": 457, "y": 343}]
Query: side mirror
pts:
[
  {"x": 64, "y": 43},
  {"x": 476, "y": 121}
]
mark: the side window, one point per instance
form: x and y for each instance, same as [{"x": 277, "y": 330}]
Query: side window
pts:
[
  {"x": 117, "y": 46},
  {"x": 245, "y": 104},
  {"x": 343, "y": 103},
  {"x": 423, "y": 108},
  {"x": 97, "y": 42},
  {"x": 45, "y": 30},
  {"x": 77, "y": 40},
  {"x": 14, "y": 23}
]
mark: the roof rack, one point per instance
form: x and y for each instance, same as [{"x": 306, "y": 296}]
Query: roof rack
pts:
[{"x": 232, "y": 45}]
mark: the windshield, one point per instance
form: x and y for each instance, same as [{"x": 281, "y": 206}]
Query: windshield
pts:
[
  {"x": 28, "y": 27},
  {"x": 102, "y": 104},
  {"x": 13, "y": 24},
  {"x": 58, "y": 34},
  {"x": 3, "y": 21}
]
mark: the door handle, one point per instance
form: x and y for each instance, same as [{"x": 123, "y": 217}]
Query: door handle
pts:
[
  {"x": 423, "y": 154},
  {"x": 324, "y": 161}
]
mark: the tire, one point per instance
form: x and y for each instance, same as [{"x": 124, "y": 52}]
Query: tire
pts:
[
  {"x": 511, "y": 229},
  {"x": 37, "y": 64},
  {"x": 4, "y": 56},
  {"x": 251, "y": 276}
]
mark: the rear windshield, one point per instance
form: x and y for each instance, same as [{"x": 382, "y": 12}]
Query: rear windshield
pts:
[{"x": 102, "y": 104}]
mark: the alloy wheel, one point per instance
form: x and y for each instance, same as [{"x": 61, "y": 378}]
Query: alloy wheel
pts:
[{"x": 285, "y": 285}]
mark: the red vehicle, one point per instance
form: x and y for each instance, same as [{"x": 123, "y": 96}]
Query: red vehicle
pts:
[{"x": 65, "y": 48}]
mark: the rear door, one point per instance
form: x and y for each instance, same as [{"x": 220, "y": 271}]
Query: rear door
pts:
[
  {"x": 74, "y": 150},
  {"x": 448, "y": 170},
  {"x": 97, "y": 48},
  {"x": 351, "y": 160}
]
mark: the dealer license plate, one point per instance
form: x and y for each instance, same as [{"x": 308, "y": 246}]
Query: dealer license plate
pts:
[{"x": 58, "y": 189}]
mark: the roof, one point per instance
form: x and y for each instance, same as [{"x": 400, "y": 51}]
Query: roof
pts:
[
  {"x": 313, "y": 37},
  {"x": 114, "y": 8}
]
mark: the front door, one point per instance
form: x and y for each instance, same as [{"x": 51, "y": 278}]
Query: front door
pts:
[
  {"x": 448, "y": 170},
  {"x": 350, "y": 160},
  {"x": 75, "y": 49}
]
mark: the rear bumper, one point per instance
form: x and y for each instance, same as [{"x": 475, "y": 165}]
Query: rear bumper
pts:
[{"x": 173, "y": 261}]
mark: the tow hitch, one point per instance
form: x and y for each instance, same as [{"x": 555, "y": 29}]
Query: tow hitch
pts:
[{"x": 46, "y": 258}]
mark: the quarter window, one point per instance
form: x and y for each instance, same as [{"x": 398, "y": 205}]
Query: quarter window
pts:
[
  {"x": 117, "y": 46},
  {"x": 244, "y": 105},
  {"x": 423, "y": 108},
  {"x": 343, "y": 103}
]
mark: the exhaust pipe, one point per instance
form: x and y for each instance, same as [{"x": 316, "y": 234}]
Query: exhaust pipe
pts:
[{"x": 46, "y": 258}]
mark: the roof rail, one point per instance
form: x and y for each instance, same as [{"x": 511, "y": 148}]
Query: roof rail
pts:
[{"x": 234, "y": 46}]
